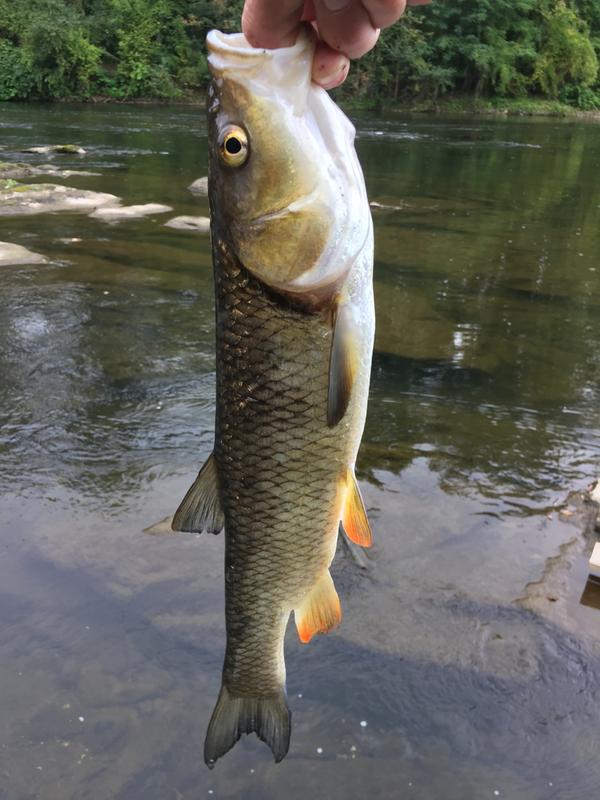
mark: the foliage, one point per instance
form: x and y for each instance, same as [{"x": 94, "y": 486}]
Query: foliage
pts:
[
  {"x": 566, "y": 56},
  {"x": 488, "y": 49},
  {"x": 16, "y": 76}
]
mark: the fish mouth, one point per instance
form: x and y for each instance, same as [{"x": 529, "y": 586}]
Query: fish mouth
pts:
[
  {"x": 295, "y": 207},
  {"x": 233, "y": 52}
]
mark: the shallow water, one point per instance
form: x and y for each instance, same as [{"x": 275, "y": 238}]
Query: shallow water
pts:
[{"x": 464, "y": 647}]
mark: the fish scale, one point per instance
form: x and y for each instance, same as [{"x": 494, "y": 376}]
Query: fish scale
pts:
[{"x": 278, "y": 465}]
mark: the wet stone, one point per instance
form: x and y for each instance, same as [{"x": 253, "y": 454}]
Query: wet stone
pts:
[
  {"x": 14, "y": 254},
  {"x": 185, "y": 223},
  {"x": 72, "y": 149},
  {"x": 115, "y": 212},
  {"x": 199, "y": 186},
  {"x": 17, "y": 199},
  {"x": 18, "y": 170}
]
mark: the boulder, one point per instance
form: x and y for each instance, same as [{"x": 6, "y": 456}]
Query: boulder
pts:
[
  {"x": 199, "y": 186},
  {"x": 196, "y": 224},
  {"x": 18, "y": 170},
  {"x": 384, "y": 206},
  {"x": 11, "y": 254},
  {"x": 114, "y": 212},
  {"x": 72, "y": 149},
  {"x": 18, "y": 199}
]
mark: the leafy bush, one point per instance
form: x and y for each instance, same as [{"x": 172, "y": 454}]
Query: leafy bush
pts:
[
  {"x": 16, "y": 76},
  {"x": 64, "y": 63},
  {"x": 582, "y": 97},
  {"x": 567, "y": 56}
]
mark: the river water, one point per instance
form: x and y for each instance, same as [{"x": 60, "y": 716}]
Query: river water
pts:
[{"x": 465, "y": 666}]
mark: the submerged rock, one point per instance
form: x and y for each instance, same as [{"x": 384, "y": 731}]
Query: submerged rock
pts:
[
  {"x": 199, "y": 186},
  {"x": 384, "y": 206},
  {"x": 18, "y": 171},
  {"x": 161, "y": 528},
  {"x": 15, "y": 170},
  {"x": 56, "y": 148},
  {"x": 41, "y": 198},
  {"x": 112, "y": 212},
  {"x": 13, "y": 254},
  {"x": 183, "y": 223}
]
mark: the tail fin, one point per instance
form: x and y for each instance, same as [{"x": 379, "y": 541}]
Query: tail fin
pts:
[{"x": 269, "y": 717}]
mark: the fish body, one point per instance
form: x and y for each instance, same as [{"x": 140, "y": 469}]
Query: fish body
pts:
[{"x": 292, "y": 251}]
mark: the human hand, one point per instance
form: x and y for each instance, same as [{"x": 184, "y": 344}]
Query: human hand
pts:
[{"x": 346, "y": 29}]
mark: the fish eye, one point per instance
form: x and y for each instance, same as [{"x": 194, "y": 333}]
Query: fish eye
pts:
[{"x": 233, "y": 146}]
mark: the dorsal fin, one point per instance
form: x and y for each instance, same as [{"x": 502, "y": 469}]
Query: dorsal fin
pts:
[
  {"x": 343, "y": 364},
  {"x": 354, "y": 516},
  {"x": 200, "y": 509},
  {"x": 320, "y": 611}
]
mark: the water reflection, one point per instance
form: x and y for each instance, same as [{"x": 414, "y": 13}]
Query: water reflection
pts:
[{"x": 484, "y": 413}]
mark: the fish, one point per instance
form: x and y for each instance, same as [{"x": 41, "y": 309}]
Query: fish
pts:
[{"x": 292, "y": 243}]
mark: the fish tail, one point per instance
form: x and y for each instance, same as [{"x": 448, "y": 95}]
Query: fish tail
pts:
[{"x": 269, "y": 717}]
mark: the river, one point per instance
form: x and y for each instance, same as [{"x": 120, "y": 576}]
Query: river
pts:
[{"x": 466, "y": 666}]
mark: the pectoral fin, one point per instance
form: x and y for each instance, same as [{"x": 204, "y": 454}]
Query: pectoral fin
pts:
[
  {"x": 200, "y": 509},
  {"x": 354, "y": 516},
  {"x": 320, "y": 610},
  {"x": 343, "y": 364}
]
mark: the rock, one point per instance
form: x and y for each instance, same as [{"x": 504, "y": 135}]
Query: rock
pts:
[
  {"x": 197, "y": 224},
  {"x": 161, "y": 528},
  {"x": 72, "y": 149},
  {"x": 112, "y": 212},
  {"x": 199, "y": 186},
  {"x": 15, "y": 171},
  {"x": 49, "y": 169},
  {"x": 41, "y": 198},
  {"x": 18, "y": 171},
  {"x": 384, "y": 207},
  {"x": 11, "y": 254},
  {"x": 594, "y": 562},
  {"x": 595, "y": 493}
]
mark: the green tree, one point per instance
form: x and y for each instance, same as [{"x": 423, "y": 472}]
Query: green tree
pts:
[
  {"x": 567, "y": 56},
  {"x": 16, "y": 75},
  {"x": 155, "y": 48}
]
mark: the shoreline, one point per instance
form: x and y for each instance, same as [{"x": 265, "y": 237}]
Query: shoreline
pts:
[{"x": 528, "y": 107}]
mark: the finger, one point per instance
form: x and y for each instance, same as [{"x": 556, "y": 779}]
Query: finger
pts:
[
  {"x": 384, "y": 12},
  {"x": 348, "y": 30},
  {"x": 308, "y": 12},
  {"x": 330, "y": 68},
  {"x": 271, "y": 23}
]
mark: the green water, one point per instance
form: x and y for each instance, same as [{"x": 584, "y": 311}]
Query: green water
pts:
[{"x": 464, "y": 646}]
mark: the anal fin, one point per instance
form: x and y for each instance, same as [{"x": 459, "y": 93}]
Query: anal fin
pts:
[
  {"x": 354, "y": 516},
  {"x": 200, "y": 509},
  {"x": 320, "y": 611}
]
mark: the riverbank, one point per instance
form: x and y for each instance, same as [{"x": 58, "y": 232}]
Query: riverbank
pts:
[{"x": 525, "y": 107}]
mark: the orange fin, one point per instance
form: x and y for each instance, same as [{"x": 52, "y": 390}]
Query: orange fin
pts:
[
  {"x": 354, "y": 517},
  {"x": 320, "y": 611}
]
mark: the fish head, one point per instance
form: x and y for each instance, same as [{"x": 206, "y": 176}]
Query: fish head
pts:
[{"x": 286, "y": 189}]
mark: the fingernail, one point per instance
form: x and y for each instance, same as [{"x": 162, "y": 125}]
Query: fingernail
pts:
[
  {"x": 333, "y": 78},
  {"x": 336, "y": 5}
]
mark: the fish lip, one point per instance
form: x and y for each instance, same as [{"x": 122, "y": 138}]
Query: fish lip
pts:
[
  {"x": 291, "y": 208},
  {"x": 233, "y": 51}
]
